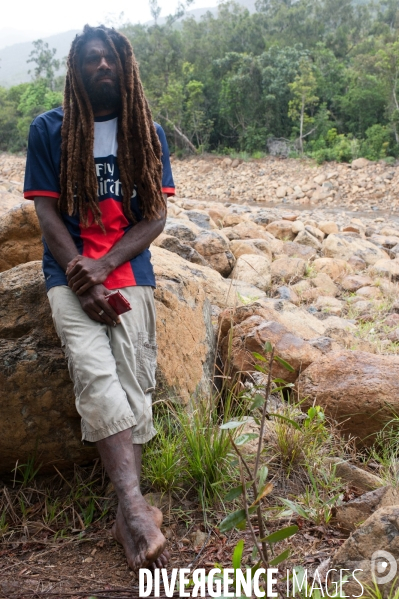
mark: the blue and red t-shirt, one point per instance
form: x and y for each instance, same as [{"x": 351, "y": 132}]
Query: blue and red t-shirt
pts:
[{"x": 42, "y": 179}]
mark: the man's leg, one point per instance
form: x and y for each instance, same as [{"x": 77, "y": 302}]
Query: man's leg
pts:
[
  {"x": 107, "y": 419},
  {"x": 138, "y": 532},
  {"x": 121, "y": 526}
]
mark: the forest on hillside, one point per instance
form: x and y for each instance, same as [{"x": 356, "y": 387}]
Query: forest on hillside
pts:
[{"x": 321, "y": 75}]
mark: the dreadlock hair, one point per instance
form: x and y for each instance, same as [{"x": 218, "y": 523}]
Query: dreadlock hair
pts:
[{"x": 139, "y": 149}]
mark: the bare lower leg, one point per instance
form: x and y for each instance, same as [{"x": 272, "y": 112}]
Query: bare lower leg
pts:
[
  {"x": 138, "y": 456},
  {"x": 142, "y": 540}
]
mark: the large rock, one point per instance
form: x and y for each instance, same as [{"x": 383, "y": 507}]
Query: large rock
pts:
[
  {"x": 20, "y": 236},
  {"x": 215, "y": 249},
  {"x": 185, "y": 230},
  {"x": 379, "y": 533},
  {"x": 288, "y": 269},
  {"x": 357, "y": 388},
  {"x": 351, "y": 514},
  {"x": 253, "y": 269},
  {"x": 239, "y": 247},
  {"x": 173, "y": 244},
  {"x": 282, "y": 229},
  {"x": 250, "y": 336},
  {"x": 345, "y": 246},
  {"x": 249, "y": 230},
  {"x": 334, "y": 267},
  {"x": 37, "y": 408},
  {"x": 387, "y": 268}
]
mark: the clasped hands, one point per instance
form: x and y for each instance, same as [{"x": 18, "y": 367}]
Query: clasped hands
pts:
[
  {"x": 83, "y": 272},
  {"x": 85, "y": 277}
]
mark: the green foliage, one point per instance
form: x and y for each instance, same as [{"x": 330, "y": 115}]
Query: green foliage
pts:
[
  {"x": 227, "y": 83},
  {"x": 37, "y": 98},
  {"x": 46, "y": 64}
]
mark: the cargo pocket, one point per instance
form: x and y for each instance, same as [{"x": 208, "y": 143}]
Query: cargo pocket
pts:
[{"x": 146, "y": 362}]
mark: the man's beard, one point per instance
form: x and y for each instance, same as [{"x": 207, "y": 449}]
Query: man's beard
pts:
[{"x": 103, "y": 95}]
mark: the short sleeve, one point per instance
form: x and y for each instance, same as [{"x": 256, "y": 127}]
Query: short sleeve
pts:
[
  {"x": 41, "y": 173},
  {"x": 168, "y": 185}
]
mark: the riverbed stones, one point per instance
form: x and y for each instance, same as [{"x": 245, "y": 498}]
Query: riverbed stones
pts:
[
  {"x": 379, "y": 532},
  {"x": 216, "y": 250},
  {"x": 343, "y": 247},
  {"x": 281, "y": 229},
  {"x": 253, "y": 269},
  {"x": 359, "y": 389},
  {"x": 20, "y": 236},
  {"x": 288, "y": 269}
]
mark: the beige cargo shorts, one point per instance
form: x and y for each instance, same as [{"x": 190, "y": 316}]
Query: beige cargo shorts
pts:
[{"x": 112, "y": 368}]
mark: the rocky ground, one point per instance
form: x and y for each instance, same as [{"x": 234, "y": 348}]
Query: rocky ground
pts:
[{"x": 304, "y": 257}]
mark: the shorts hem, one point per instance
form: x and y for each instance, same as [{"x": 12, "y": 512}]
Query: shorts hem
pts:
[
  {"x": 144, "y": 438},
  {"x": 111, "y": 429}
]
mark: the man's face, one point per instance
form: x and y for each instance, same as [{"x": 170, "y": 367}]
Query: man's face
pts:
[{"x": 99, "y": 75}]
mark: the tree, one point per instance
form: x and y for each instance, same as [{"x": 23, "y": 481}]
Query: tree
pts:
[
  {"x": 388, "y": 64},
  {"x": 46, "y": 64},
  {"x": 303, "y": 90}
]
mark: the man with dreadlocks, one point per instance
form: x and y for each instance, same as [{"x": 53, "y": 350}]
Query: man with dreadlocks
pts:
[{"x": 99, "y": 172}]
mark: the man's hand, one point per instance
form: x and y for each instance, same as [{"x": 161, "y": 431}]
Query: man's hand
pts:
[
  {"x": 82, "y": 273},
  {"x": 95, "y": 305}
]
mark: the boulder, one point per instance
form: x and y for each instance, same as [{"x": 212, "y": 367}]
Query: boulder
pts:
[
  {"x": 359, "y": 163},
  {"x": 253, "y": 269},
  {"x": 356, "y": 477},
  {"x": 20, "y": 236},
  {"x": 282, "y": 229},
  {"x": 331, "y": 305},
  {"x": 344, "y": 246},
  {"x": 232, "y": 218},
  {"x": 315, "y": 231},
  {"x": 185, "y": 230},
  {"x": 324, "y": 284},
  {"x": 306, "y": 238},
  {"x": 288, "y": 294},
  {"x": 334, "y": 267},
  {"x": 328, "y": 227},
  {"x": 201, "y": 219},
  {"x": 249, "y": 230},
  {"x": 37, "y": 402},
  {"x": 354, "y": 282},
  {"x": 387, "y": 268},
  {"x": 298, "y": 250},
  {"x": 357, "y": 388},
  {"x": 297, "y": 227},
  {"x": 352, "y": 514},
  {"x": 251, "y": 334},
  {"x": 173, "y": 244},
  {"x": 250, "y": 246},
  {"x": 372, "y": 550},
  {"x": 216, "y": 251},
  {"x": 288, "y": 269}
]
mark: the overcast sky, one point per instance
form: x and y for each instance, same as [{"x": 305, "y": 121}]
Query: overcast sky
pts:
[{"x": 53, "y": 17}]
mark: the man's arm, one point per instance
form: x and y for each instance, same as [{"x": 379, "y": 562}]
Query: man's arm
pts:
[
  {"x": 63, "y": 249},
  {"x": 83, "y": 272},
  {"x": 54, "y": 231}
]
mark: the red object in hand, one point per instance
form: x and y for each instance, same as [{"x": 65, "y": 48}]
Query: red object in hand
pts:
[{"x": 118, "y": 302}]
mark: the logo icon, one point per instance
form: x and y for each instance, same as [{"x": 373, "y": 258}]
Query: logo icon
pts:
[{"x": 383, "y": 566}]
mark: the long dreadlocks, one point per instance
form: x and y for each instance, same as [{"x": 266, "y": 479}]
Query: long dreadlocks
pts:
[{"x": 139, "y": 150}]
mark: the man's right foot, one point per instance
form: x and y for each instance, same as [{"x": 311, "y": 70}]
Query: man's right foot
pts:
[{"x": 142, "y": 541}]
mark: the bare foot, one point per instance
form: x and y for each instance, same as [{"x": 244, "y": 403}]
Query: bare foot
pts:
[{"x": 142, "y": 541}]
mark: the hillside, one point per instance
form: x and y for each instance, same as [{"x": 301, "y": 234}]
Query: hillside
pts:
[{"x": 14, "y": 68}]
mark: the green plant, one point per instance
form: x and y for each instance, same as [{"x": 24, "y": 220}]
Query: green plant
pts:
[
  {"x": 374, "y": 592},
  {"x": 253, "y": 478},
  {"x": 320, "y": 497},
  {"x": 28, "y": 471},
  {"x": 164, "y": 464},
  {"x": 206, "y": 450}
]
